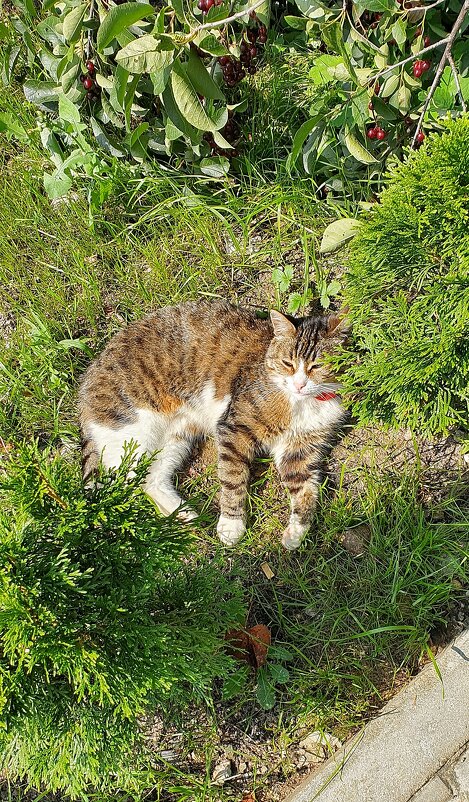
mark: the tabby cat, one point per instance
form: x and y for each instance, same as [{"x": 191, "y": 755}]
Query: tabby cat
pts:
[{"x": 203, "y": 368}]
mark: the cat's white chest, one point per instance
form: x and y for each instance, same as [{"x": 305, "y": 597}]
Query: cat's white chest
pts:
[{"x": 308, "y": 416}]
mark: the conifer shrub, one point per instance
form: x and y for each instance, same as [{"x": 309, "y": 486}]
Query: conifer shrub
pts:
[
  {"x": 408, "y": 292},
  {"x": 101, "y": 621}
]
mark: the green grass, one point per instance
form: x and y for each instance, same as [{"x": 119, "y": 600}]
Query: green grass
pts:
[{"x": 352, "y": 624}]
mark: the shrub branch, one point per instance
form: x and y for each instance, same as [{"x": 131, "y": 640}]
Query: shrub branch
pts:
[{"x": 441, "y": 66}]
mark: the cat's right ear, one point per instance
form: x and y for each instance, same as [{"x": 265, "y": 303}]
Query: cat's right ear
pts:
[{"x": 282, "y": 326}]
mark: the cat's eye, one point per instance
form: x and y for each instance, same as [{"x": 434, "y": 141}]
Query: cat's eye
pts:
[
  {"x": 287, "y": 363},
  {"x": 314, "y": 366}
]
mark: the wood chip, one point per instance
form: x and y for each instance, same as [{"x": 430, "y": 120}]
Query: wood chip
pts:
[{"x": 267, "y": 570}]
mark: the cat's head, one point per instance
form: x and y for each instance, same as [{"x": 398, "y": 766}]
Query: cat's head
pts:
[{"x": 295, "y": 357}]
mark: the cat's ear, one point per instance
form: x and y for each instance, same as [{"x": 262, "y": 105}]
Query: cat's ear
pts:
[
  {"x": 338, "y": 324},
  {"x": 282, "y": 326}
]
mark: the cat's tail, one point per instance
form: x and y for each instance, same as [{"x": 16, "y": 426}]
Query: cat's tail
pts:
[{"x": 89, "y": 459}]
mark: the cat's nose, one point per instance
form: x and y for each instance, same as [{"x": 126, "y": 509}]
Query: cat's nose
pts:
[{"x": 299, "y": 382}]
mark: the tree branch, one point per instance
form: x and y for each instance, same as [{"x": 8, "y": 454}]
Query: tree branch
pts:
[
  {"x": 221, "y": 22},
  {"x": 456, "y": 80},
  {"x": 440, "y": 68},
  {"x": 409, "y": 58}
]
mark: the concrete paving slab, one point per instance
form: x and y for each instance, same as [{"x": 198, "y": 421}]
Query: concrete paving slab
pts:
[
  {"x": 417, "y": 732},
  {"x": 434, "y": 790}
]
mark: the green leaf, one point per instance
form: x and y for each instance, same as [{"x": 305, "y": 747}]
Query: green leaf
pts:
[
  {"x": 175, "y": 115},
  {"x": 129, "y": 99},
  {"x": 312, "y": 9},
  {"x": 389, "y": 86},
  {"x": 187, "y": 100},
  {"x": 279, "y": 673},
  {"x": 333, "y": 35},
  {"x": 358, "y": 151},
  {"x": 279, "y": 652},
  {"x": 216, "y": 166},
  {"x": 382, "y": 57},
  {"x": 210, "y": 44},
  {"x": 338, "y": 233},
  {"x": 299, "y": 139},
  {"x": 145, "y": 54},
  {"x": 57, "y": 186},
  {"x": 118, "y": 18},
  {"x": 72, "y": 23},
  {"x": 297, "y": 23},
  {"x": 68, "y": 111},
  {"x": 106, "y": 142},
  {"x": 233, "y": 684},
  {"x": 39, "y": 92},
  {"x": 374, "y": 5},
  {"x": 323, "y": 70},
  {"x": 160, "y": 79},
  {"x": 404, "y": 99},
  {"x": 201, "y": 79},
  {"x": 264, "y": 691},
  {"x": 399, "y": 33},
  {"x": 383, "y": 109},
  {"x": 10, "y": 124}
]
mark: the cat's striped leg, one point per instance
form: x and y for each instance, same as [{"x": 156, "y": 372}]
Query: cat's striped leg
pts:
[
  {"x": 301, "y": 473},
  {"x": 235, "y": 453}
]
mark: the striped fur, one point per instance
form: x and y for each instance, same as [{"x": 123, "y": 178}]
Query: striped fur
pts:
[{"x": 199, "y": 369}]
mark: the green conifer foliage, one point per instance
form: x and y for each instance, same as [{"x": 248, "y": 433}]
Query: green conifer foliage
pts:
[
  {"x": 100, "y": 622},
  {"x": 408, "y": 293}
]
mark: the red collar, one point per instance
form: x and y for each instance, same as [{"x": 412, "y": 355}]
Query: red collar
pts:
[{"x": 325, "y": 396}]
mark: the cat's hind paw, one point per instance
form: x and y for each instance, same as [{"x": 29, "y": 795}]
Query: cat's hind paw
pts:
[
  {"x": 230, "y": 530},
  {"x": 293, "y": 535}
]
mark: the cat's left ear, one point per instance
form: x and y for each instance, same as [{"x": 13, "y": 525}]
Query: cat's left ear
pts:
[
  {"x": 282, "y": 326},
  {"x": 338, "y": 324}
]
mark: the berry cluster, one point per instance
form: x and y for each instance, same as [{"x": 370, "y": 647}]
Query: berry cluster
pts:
[
  {"x": 233, "y": 69},
  {"x": 89, "y": 83},
  {"x": 376, "y": 133},
  {"x": 206, "y": 5},
  {"x": 420, "y": 67}
]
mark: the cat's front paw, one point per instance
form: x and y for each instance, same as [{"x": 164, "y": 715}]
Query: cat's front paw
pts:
[
  {"x": 230, "y": 530},
  {"x": 293, "y": 535}
]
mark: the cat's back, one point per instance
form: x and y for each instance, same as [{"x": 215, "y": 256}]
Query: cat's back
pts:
[{"x": 174, "y": 353}]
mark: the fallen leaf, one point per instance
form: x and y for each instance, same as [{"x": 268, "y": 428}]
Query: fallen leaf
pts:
[
  {"x": 238, "y": 645},
  {"x": 259, "y": 642}
]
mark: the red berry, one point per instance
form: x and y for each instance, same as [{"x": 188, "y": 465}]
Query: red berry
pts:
[
  {"x": 253, "y": 52},
  {"x": 380, "y": 134},
  {"x": 370, "y": 106},
  {"x": 417, "y": 69},
  {"x": 377, "y": 88},
  {"x": 420, "y": 137},
  {"x": 90, "y": 66},
  {"x": 88, "y": 83},
  {"x": 209, "y": 4},
  {"x": 425, "y": 65},
  {"x": 223, "y": 60},
  {"x": 372, "y": 133},
  {"x": 427, "y": 41},
  {"x": 418, "y": 33}
]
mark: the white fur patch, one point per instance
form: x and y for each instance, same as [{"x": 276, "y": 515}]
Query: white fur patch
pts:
[
  {"x": 166, "y": 434},
  {"x": 230, "y": 530},
  {"x": 308, "y": 415},
  {"x": 294, "y": 534}
]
